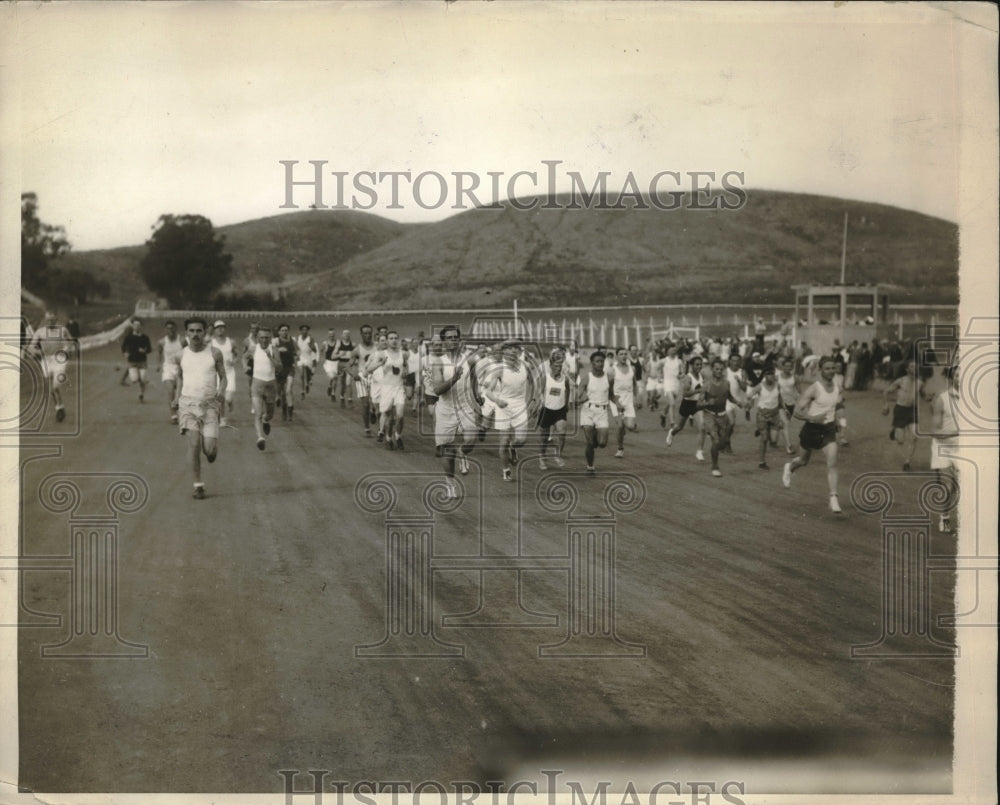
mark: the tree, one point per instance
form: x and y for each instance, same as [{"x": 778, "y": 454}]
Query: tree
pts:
[
  {"x": 40, "y": 243},
  {"x": 185, "y": 260}
]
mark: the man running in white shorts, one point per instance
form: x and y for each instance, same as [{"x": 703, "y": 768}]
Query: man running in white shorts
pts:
[
  {"x": 168, "y": 352},
  {"x": 51, "y": 344},
  {"x": 202, "y": 378},
  {"x": 623, "y": 386},
  {"x": 454, "y": 407},
  {"x": 308, "y": 354},
  {"x": 945, "y": 430},
  {"x": 672, "y": 373},
  {"x": 509, "y": 390},
  {"x": 767, "y": 395},
  {"x": 224, "y": 344},
  {"x": 358, "y": 369},
  {"x": 788, "y": 390},
  {"x": 593, "y": 396},
  {"x": 392, "y": 360},
  {"x": 264, "y": 366}
]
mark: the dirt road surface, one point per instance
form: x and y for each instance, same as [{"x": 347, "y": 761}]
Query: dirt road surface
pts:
[{"x": 240, "y": 619}]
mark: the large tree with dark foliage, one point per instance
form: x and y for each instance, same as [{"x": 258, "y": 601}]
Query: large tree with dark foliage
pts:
[{"x": 185, "y": 260}]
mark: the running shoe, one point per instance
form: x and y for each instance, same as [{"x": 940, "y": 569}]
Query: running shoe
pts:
[
  {"x": 380, "y": 438},
  {"x": 173, "y": 418},
  {"x": 717, "y": 473},
  {"x": 620, "y": 452},
  {"x": 670, "y": 437},
  {"x": 700, "y": 455},
  {"x": 463, "y": 464},
  {"x": 507, "y": 475},
  {"x": 944, "y": 525},
  {"x": 835, "y": 505},
  {"x": 763, "y": 466},
  {"x": 399, "y": 442},
  {"x": 590, "y": 470},
  {"x": 451, "y": 489},
  {"x": 199, "y": 493},
  {"x": 541, "y": 463},
  {"x": 261, "y": 443},
  {"x": 906, "y": 467},
  {"x": 786, "y": 475},
  {"x": 60, "y": 414},
  {"x": 558, "y": 461}
]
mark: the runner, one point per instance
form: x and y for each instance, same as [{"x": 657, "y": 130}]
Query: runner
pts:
[
  {"x": 308, "y": 353},
  {"x": 767, "y": 395},
  {"x": 624, "y": 383},
  {"x": 202, "y": 378},
  {"x": 50, "y": 344},
  {"x": 738, "y": 384},
  {"x": 392, "y": 360},
  {"x": 224, "y": 344},
  {"x": 453, "y": 411},
  {"x": 510, "y": 390},
  {"x": 788, "y": 391},
  {"x": 126, "y": 333},
  {"x": 136, "y": 347},
  {"x": 907, "y": 389},
  {"x": 593, "y": 395},
  {"x": 944, "y": 426},
  {"x": 436, "y": 350},
  {"x": 264, "y": 365},
  {"x": 344, "y": 387},
  {"x": 635, "y": 360},
  {"x": 691, "y": 390},
  {"x": 820, "y": 406},
  {"x": 168, "y": 350},
  {"x": 716, "y": 393},
  {"x": 284, "y": 346},
  {"x": 671, "y": 369},
  {"x": 330, "y": 349},
  {"x": 362, "y": 380},
  {"x": 247, "y": 347},
  {"x": 555, "y": 406},
  {"x": 373, "y": 368}
]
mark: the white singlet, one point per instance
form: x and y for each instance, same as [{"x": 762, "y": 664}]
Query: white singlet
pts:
[{"x": 200, "y": 380}]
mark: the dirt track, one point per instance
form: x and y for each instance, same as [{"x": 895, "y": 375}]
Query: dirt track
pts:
[{"x": 747, "y": 598}]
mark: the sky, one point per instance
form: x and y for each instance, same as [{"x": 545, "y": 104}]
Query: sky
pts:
[{"x": 120, "y": 112}]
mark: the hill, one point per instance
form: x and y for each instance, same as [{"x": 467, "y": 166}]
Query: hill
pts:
[
  {"x": 488, "y": 257},
  {"x": 541, "y": 257},
  {"x": 266, "y": 252}
]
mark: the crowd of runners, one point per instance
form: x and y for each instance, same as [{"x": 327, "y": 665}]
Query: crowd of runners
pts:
[{"x": 699, "y": 391}]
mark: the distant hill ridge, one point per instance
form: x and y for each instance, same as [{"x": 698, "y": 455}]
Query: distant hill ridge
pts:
[{"x": 489, "y": 257}]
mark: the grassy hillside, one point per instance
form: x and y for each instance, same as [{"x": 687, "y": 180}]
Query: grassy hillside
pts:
[
  {"x": 632, "y": 257},
  {"x": 265, "y": 252},
  {"x": 485, "y": 258}
]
